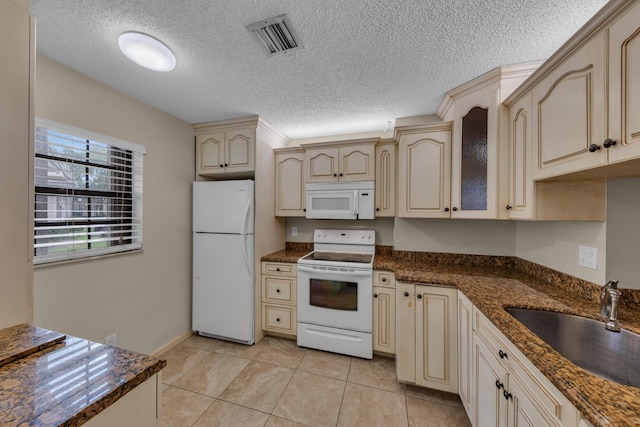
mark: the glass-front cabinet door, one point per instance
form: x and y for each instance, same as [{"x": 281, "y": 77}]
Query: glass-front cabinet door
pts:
[{"x": 475, "y": 158}]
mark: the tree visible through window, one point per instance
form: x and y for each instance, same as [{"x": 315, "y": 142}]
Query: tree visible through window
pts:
[{"x": 88, "y": 190}]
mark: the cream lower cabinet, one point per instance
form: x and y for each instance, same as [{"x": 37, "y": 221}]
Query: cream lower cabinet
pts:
[
  {"x": 465, "y": 366},
  {"x": 139, "y": 407},
  {"x": 279, "y": 290},
  {"x": 290, "y": 192},
  {"x": 384, "y": 312},
  {"x": 426, "y": 336},
  {"x": 507, "y": 390}
]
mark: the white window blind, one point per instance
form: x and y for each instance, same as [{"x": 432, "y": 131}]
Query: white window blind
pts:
[{"x": 88, "y": 193}]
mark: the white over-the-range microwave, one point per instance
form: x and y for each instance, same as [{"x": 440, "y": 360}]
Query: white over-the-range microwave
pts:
[{"x": 341, "y": 200}]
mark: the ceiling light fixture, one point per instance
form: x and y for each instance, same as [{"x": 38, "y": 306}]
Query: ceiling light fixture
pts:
[{"x": 147, "y": 51}]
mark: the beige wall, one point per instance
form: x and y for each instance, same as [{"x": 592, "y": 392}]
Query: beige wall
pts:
[
  {"x": 623, "y": 231},
  {"x": 145, "y": 297},
  {"x": 15, "y": 126},
  {"x": 555, "y": 245}
]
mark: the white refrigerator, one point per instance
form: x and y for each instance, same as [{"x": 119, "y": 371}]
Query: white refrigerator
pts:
[{"x": 223, "y": 260}]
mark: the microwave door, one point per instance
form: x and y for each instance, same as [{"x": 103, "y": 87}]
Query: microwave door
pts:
[{"x": 331, "y": 205}]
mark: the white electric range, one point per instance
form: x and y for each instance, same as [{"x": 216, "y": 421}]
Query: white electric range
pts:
[{"x": 335, "y": 287}]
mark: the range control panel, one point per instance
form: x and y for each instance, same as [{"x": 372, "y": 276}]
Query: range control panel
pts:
[{"x": 347, "y": 237}]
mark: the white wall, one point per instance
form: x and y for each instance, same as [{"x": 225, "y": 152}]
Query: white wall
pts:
[
  {"x": 15, "y": 223},
  {"x": 455, "y": 236},
  {"x": 145, "y": 297},
  {"x": 382, "y": 226},
  {"x": 555, "y": 245},
  {"x": 623, "y": 231}
]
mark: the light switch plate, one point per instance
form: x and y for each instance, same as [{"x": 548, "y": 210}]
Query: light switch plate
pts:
[{"x": 588, "y": 257}]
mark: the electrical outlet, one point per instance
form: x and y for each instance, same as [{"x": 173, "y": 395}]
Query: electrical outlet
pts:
[
  {"x": 294, "y": 231},
  {"x": 588, "y": 257},
  {"x": 111, "y": 339}
]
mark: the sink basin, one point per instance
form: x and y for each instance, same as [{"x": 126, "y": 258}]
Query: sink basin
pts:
[{"x": 586, "y": 343}]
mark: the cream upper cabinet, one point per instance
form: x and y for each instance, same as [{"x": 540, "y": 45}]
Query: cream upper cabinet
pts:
[
  {"x": 424, "y": 171},
  {"x": 224, "y": 150},
  {"x": 386, "y": 178},
  {"x": 426, "y": 346},
  {"x": 569, "y": 113},
  {"x": 624, "y": 86},
  {"x": 345, "y": 161},
  {"x": 290, "y": 192},
  {"x": 475, "y": 156},
  {"x": 520, "y": 203}
]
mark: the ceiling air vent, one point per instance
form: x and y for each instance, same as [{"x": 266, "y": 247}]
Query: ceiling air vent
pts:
[{"x": 275, "y": 34}]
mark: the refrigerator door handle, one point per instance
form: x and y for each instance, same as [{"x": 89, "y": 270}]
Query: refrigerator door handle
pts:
[
  {"x": 245, "y": 218},
  {"x": 245, "y": 252}
]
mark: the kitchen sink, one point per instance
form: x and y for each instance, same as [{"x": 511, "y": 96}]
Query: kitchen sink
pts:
[{"x": 586, "y": 343}]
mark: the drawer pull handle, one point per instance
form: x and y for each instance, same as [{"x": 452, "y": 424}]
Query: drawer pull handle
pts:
[
  {"x": 502, "y": 354},
  {"x": 277, "y": 268},
  {"x": 419, "y": 296},
  {"x": 277, "y": 319},
  {"x": 499, "y": 385},
  {"x": 384, "y": 279},
  {"x": 406, "y": 294},
  {"x": 507, "y": 395},
  {"x": 277, "y": 291},
  {"x": 375, "y": 295}
]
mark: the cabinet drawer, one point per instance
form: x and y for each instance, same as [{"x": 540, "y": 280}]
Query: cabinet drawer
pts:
[
  {"x": 384, "y": 278},
  {"x": 280, "y": 290},
  {"x": 280, "y": 319},
  {"x": 279, "y": 268}
]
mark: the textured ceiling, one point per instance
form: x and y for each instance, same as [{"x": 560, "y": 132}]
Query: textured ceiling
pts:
[{"x": 364, "y": 62}]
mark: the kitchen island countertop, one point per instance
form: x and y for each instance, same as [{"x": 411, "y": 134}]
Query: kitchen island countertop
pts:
[{"x": 58, "y": 380}]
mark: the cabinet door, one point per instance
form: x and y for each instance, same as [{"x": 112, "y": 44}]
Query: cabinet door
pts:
[
  {"x": 424, "y": 175},
  {"x": 474, "y": 161},
  {"x": 405, "y": 333},
  {"x": 521, "y": 196},
  {"x": 436, "y": 338},
  {"x": 465, "y": 352},
  {"x": 569, "y": 113},
  {"x": 357, "y": 163},
  {"x": 240, "y": 149},
  {"x": 290, "y": 185},
  {"x": 386, "y": 179},
  {"x": 210, "y": 156},
  {"x": 322, "y": 164},
  {"x": 384, "y": 320},
  {"x": 624, "y": 86},
  {"x": 489, "y": 381},
  {"x": 521, "y": 408}
]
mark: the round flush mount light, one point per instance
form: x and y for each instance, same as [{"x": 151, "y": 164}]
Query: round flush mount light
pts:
[{"x": 147, "y": 51}]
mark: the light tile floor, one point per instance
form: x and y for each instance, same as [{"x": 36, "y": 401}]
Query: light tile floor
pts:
[{"x": 208, "y": 382}]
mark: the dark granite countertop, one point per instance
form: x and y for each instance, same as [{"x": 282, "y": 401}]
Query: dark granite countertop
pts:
[
  {"x": 494, "y": 283},
  {"x": 66, "y": 382}
]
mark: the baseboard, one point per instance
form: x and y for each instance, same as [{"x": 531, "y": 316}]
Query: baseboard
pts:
[{"x": 174, "y": 342}]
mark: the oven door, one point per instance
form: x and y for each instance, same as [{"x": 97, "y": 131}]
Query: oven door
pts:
[{"x": 335, "y": 296}]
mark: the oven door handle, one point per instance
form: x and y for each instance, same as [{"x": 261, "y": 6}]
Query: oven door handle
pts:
[{"x": 362, "y": 273}]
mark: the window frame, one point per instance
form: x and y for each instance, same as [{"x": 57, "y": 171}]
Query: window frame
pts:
[{"x": 128, "y": 174}]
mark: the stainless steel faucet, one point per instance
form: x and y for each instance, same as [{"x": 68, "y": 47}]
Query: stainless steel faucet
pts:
[{"x": 609, "y": 297}]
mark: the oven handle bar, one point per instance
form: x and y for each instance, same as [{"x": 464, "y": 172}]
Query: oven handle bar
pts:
[{"x": 342, "y": 272}]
